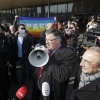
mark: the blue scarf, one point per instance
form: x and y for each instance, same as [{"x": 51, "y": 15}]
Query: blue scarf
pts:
[{"x": 86, "y": 79}]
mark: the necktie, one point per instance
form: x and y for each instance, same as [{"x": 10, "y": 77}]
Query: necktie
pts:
[
  {"x": 38, "y": 75},
  {"x": 50, "y": 53}
]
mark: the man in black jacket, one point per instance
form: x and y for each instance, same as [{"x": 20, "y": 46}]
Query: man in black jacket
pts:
[
  {"x": 87, "y": 80},
  {"x": 57, "y": 71},
  {"x": 13, "y": 53},
  {"x": 24, "y": 41},
  {"x": 4, "y": 55}
]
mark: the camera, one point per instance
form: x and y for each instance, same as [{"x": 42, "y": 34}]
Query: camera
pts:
[{"x": 89, "y": 39}]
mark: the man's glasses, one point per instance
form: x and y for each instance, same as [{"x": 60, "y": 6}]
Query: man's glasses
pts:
[
  {"x": 50, "y": 40},
  {"x": 89, "y": 63},
  {"x": 22, "y": 28}
]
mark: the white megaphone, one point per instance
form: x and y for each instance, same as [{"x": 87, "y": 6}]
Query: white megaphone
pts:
[{"x": 38, "y": 57}]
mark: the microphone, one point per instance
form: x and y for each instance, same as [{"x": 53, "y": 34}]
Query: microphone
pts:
[
  {"x": 45, "y": 90},
  {"x": 21, "y": 93}
]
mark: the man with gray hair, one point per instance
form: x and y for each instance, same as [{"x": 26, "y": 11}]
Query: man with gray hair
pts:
[{"x": 87, "y": 82}]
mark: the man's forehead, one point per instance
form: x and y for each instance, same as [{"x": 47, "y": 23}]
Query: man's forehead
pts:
[
  {"x": 49, "y": 35},
  {"x": 90, "y": 55}
]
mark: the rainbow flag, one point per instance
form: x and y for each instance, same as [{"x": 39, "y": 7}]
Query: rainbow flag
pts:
[{"x": 35, "y": 25}]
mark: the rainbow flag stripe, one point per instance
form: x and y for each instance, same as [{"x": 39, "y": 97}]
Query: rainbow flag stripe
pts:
[{"x": 35, "y": 25}]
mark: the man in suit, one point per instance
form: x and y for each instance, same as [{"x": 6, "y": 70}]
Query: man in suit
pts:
[
  {"x": 24, "y": 41},
  {"x": 57, "y": 71},
  {"x": 87, "y": 81}
]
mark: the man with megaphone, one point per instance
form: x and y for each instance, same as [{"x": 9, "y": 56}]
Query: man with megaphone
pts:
[{"x": 57, "y": 68}]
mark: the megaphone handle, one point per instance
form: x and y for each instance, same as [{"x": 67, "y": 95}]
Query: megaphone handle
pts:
[{"x": 33, "y": 47}]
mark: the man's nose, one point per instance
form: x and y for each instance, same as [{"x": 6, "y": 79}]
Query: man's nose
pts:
[
  {"x": 82, "y": 63},
  {"x": 46, "y": 41}
]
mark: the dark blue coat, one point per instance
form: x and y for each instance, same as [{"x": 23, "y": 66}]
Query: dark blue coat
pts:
[{"x": 88, "y": 92}]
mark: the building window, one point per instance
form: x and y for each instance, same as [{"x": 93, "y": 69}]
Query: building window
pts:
[
  {"x": 38, "y": 11},
  {"x": 53, "y": 9},
  {"x": 19, "y": 12},
  {"x": 61, "y": 8},
  {"x": 70, "y": 7},
  {"x": 24, "y": 11},
  {"x": 29, "y": 10}
]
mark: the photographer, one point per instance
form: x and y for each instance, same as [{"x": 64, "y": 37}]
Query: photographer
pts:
[{"x": 71, "y": 35}]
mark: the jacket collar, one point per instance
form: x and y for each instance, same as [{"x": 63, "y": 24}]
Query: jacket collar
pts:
[{"x": 58, "y": 51}]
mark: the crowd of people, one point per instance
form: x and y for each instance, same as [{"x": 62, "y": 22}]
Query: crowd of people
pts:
[
  {"x": 67, "y": 80},
  {"x": 15, "y": 46}
]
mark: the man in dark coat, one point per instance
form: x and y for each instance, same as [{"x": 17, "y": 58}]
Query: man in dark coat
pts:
[
  {"x": 24, "y": 41},
  {"x": 13, "y": 53},
  {"x": 4, "y": 55},
  {"x": 57, "y": 71},
  {"x": 87, "y": 81}
]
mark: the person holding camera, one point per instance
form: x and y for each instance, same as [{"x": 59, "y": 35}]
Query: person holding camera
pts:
[{"x": 71, "y": 34}]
